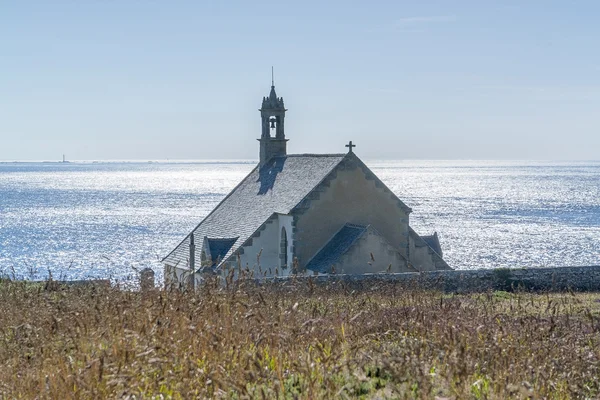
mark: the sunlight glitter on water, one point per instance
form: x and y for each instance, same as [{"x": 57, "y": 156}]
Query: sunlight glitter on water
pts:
[{"x": 106, "y": 219}]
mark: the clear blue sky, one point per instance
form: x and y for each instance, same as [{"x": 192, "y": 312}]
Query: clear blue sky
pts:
[{"x": 402, "y": 79}]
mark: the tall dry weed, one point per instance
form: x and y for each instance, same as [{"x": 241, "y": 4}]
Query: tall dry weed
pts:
[{"x": 296, "y": 339}]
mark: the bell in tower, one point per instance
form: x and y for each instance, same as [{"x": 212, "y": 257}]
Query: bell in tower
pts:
[{"x": 272, "y": 114}]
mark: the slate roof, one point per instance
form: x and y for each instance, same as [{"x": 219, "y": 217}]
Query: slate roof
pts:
[
  {"x": 277, "y": 187},
  {"x": 335, "y": 248}
]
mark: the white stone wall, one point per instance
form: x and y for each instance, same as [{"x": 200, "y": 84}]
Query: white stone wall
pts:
[
  {"x": 420, "y": 257},
  {"x": 176, "y": 277},
  {"x": 269, "y": 242}
]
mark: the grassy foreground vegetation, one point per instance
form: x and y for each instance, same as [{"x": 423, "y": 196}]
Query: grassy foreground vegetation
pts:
[{"x": 296, "y": 340}]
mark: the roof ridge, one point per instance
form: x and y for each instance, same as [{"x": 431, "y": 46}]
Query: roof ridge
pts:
[
  {"x": 316, "y": 155},
  {"x": 356, "y": 226}
]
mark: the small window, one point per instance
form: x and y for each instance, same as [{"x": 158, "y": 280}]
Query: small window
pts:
[{"x": 283, "y": 248}]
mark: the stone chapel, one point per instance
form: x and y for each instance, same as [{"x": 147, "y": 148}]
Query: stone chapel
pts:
[{"x": 303, "y": 213}]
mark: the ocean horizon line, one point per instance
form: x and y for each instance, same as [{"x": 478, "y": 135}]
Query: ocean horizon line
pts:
[{"x": 255, "y": 161}]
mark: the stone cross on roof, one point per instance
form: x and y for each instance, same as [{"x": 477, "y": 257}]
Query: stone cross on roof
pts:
[{"x": 350, "y": 146}]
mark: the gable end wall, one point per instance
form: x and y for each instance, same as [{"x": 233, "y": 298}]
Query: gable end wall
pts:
[{"x": 353, "y": 195}]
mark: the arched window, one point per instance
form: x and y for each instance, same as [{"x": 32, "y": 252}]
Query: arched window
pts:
[{"x": 283, "y": 249}]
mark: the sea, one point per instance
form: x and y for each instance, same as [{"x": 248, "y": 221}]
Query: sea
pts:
[{"x": 109, "y": 220}]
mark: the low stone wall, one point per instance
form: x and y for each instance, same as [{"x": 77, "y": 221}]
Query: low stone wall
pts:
[{"x": 532, "y": 279}]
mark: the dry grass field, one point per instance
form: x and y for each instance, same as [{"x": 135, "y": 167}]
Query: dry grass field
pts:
[{"x": 296, "y": 340}]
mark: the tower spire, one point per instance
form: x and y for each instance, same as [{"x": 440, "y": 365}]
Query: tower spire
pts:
[{"x": 272, "y": 114}]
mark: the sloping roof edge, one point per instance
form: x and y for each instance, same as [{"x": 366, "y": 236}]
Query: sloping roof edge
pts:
[
  {"x": 371, "y": 175},
  {"x": 254, "y": 234},
  {"x": 434, "y": 242},
  {"x": 210, "y": 213},
  {"x": 368, "y": 174}
]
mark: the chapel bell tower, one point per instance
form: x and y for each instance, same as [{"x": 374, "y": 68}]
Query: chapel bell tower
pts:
[{"x": 272, "y": 114}]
